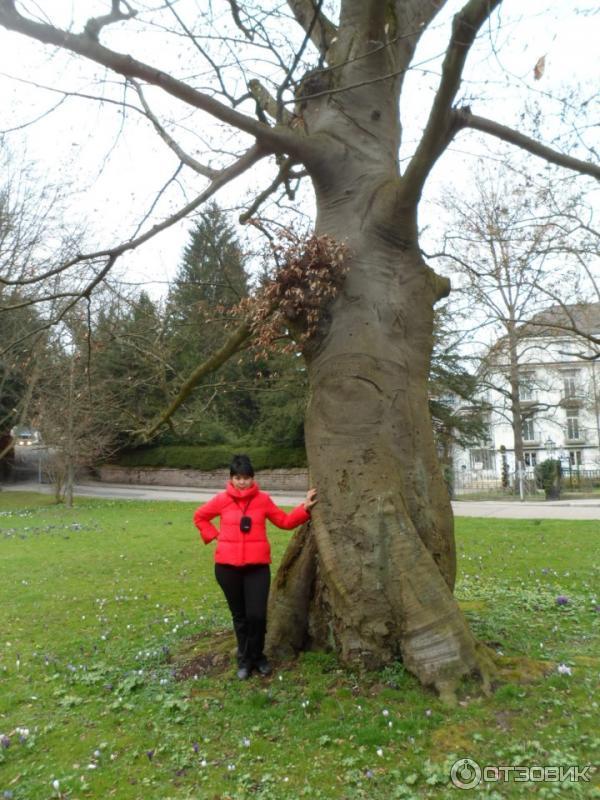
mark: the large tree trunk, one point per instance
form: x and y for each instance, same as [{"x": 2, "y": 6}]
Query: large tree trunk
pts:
[{"x": 372, "y": 576}]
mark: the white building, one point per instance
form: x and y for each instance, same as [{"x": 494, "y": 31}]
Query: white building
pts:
[{"x": 559, "y": 389}]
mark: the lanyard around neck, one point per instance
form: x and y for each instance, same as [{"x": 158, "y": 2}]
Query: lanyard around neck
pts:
[{"x": 245, "y": 511}]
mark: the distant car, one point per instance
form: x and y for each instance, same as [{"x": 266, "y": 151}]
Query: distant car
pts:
[{"x": 27, "y": 438}]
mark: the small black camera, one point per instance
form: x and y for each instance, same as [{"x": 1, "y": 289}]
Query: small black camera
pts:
[{"x": 246, "y": 524}]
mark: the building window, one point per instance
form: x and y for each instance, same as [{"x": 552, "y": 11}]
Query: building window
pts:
[
  {"x": 482, "y": 458},
  {"x": 526, "y": 392},
  {"x": 528, "y": 430},
  {"x": 486, "y": 434},
  {"x": 575, "y": 458},
  {"x": 570, "y": 383},
  {"x": 573, "y": 433},
  {"x": 530, "y": 459}
]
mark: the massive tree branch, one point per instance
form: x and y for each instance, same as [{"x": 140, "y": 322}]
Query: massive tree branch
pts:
[
  {"x": 278, "y": 139},
  {"x": 268, "y": 103},
  {"x": 465, "y": 119},
  {"x": 415, "y": 17},
  {"x": 440, "y": 129},
  {"x": 233, "y": 344},
  {"x": 321, "y": 30}
]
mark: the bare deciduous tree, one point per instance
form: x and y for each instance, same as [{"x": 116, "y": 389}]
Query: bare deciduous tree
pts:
[
  {"x": 517, "y": 246},
  {"x": 74, "y": 418}
]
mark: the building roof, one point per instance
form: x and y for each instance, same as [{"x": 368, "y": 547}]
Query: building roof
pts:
[
  {"x": 582, "y": 318},
  {"x": 575, "y": 320}
]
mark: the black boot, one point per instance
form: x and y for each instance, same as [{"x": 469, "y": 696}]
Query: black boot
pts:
[
  {"x": 240, "y": 627},
  {"x": 256, "y": 642},
  {"x": 263, "y": 666}
]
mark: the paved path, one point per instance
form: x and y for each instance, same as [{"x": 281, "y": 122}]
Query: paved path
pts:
[
  {"x": 550, "y": 509},
  {"x": 122, "y": 491},
  {"x": 555, "y": 509}
]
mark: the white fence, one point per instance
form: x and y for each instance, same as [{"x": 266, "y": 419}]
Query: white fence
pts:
[{"x": 464, "y": 482}]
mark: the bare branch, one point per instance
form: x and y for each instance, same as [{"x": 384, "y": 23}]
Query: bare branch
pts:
[
  {"x": 465, "y": 119},
  {"x": 290, "y": 71},
  {"x": 235, "y": 13},
  {"x": 253, "y": 155},
  {"x": 278, "y": 140},
  {"x": 84, "y": 293},
  {"x": 440, "y": 129},
  {"x": 36, "y": 119},
  {"x": 95, "y": 24},
  {"x": 260, "y": 199},
  {"x": 157, "y": 198},
  {"x": 202, "y": 51},
  {"x": 191, "y": 162}
]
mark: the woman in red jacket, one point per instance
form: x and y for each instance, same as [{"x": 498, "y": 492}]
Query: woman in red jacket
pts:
[{"x": 243, "y": 555}]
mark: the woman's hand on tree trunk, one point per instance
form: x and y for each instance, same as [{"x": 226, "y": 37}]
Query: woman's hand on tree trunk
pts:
[{"x": 311, "y": 499}]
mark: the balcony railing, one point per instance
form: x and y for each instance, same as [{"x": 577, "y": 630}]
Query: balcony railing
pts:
[{"x": 578, "y": 439}]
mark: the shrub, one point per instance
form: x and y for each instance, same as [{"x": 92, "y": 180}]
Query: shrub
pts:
[
  {"x": 549, "y": 477},
  {"x": 210, "y": 458}
]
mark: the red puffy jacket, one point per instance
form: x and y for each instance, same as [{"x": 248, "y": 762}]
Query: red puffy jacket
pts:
[{"x": 233, "y": 546}]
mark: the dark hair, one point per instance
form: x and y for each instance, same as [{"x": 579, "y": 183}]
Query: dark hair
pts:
[{"x": 241, "y": 465}]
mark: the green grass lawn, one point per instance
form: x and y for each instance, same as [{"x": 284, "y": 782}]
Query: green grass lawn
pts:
[{"x": 102, "y": 605}]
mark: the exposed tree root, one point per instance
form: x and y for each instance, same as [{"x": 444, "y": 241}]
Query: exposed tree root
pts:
[{"x": 424, "y": 626}]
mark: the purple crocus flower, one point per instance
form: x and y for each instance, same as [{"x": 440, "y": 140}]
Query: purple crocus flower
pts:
[
  {"x": 195, "y": 747},
  {"x": 5, "y": 742},
  {"x": 561, "y": 600},
  {"x": 150, "y": 754}
]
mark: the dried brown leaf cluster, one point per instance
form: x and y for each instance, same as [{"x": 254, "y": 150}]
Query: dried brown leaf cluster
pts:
[{"x": 308, "y": 274}]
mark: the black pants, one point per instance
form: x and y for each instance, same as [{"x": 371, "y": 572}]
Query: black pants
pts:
[{"x": 247, "y": 591}]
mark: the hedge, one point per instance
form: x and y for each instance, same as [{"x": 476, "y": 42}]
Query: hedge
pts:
[{"x": 209, "y": 458}]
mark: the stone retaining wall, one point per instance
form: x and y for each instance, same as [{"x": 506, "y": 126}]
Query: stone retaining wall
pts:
[{"x": 272, "y": 480}]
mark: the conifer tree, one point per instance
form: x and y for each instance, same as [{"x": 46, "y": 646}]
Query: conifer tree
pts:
[{"x": 211, "y": 279}]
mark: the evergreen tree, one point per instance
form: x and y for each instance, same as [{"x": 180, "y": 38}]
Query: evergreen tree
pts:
[
  {"x": 210, "y": 281},
  {"x": 456, "y": 414},
  {"x": 281, "y": 397}
]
